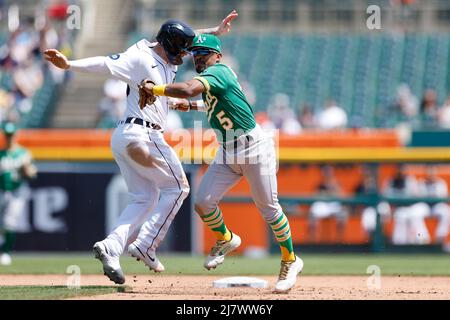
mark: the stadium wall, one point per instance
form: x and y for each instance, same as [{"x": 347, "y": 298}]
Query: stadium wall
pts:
[{"x": 79, "y": 164}]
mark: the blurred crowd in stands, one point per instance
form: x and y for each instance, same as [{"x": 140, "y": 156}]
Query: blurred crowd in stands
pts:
[
  {"x": 282, "y": 113},
  {"x": 427, "y": 113},
  {"x": 414, "y": 186},
  {"x": 22, "y": 68},
  {"x": 406, "y": 109}
]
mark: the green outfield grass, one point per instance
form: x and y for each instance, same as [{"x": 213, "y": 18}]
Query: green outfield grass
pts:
[
  {"x": 53, "y": 292},
  {"x": 315, "y": 264}
]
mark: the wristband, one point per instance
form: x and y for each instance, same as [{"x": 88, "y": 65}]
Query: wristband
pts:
[
  {"x": 201, "y": 105},
  {"x": 190, "y": 105},
  {"x": 159, "y": 90}
]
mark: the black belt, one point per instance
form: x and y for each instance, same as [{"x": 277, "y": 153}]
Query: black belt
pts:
[{"x": 143, "y": 123}]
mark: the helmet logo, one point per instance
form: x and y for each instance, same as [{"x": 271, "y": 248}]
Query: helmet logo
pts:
[{"x": 201, "y": 39}]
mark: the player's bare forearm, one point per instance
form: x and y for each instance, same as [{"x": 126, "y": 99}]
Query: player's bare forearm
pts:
[
  {"x": 222, "y": 28},
  {"x": 186, "y": 89}
]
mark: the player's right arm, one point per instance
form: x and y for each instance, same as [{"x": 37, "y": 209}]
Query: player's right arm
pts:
[
  {"x": 121, "y": 66},
  {"x": 186, "y": 105},
  {"x": 94, "y": 64}
]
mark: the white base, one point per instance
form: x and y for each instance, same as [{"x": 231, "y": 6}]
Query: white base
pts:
[{"x": 233, "y": 282}]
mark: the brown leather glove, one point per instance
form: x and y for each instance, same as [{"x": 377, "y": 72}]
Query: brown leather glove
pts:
[{"x": 146, "y": 97}]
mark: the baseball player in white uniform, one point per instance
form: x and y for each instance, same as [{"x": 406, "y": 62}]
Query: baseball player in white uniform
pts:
[{"x": 155, "y": 178}]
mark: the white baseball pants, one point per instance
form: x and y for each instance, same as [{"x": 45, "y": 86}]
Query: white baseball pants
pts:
[
  {"x": 157, "y": 186},
  {"x": 256, "y": 161}
]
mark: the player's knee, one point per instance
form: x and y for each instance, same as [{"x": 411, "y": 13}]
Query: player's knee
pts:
[{"x": 140, "y": 154}]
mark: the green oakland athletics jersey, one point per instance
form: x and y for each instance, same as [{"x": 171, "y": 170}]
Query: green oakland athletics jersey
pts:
[
  {"x": 11, "y": 163},
  {"x": 227, "y": 109}
]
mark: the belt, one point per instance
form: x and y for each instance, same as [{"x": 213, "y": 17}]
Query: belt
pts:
[{"x": 142, "y": 123}]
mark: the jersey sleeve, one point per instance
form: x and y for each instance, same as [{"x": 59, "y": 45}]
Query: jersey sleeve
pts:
[
  {"x": 214, "y": 80},
  {"x": 124, "y": 66}
]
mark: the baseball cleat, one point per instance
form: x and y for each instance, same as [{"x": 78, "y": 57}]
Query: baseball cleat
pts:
[
  {"x": 149, "y": 259},
  {"x": 221, "y": 248},
  {"x": 288, "y": 275},
  {"x": 111, "y": 265}
]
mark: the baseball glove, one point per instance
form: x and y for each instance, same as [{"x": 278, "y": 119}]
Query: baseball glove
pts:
[{"x": 145, "y": 98}]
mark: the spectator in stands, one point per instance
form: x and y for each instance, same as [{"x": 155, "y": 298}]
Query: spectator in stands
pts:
[
  {"x": 28, "y": 78},
  {"x": 282, "y": 116},
  {"x": 22, "y": 70},
  {"x": 407, "y": 102},
  {"x": 57, "y": 9},
  {"x": 432, "y": 186},
  {"x": 403, "y": 109},
  {"x": 409, "y": 225},
  {"x": 52, "y": 38},
  {"x": 6, "y": 103},
  {"x": 262, "y": 118},
  {"x": 306, "y": 117},
  {"x": 327, "y": 209},
  {"x": 367, "y": 186},
  {"x": 428, "y": 117},
  {"x": 332, "y": 117},
  {"x": 444, "y": 114}
]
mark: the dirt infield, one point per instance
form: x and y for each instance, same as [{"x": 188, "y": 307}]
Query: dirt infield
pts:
[{"x": 162, "y": 287}]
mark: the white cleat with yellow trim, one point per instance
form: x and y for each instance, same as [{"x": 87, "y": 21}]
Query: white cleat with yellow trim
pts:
[
  {"x": 288, "y": 275},
  {"x": 220, "y": 250}
]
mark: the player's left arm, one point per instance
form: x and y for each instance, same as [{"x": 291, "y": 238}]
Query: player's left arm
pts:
[
  {"x": 181, "y": 91},
  {"x": 223, "y": 28},
  {"x": 185, "y": 89},
  {"x": 29, "y": 170}
]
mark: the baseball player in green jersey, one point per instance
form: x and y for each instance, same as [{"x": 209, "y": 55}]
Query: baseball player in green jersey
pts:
[
  {"x": 15, "y": 167},
  {"x": 245, "y": 151}
]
